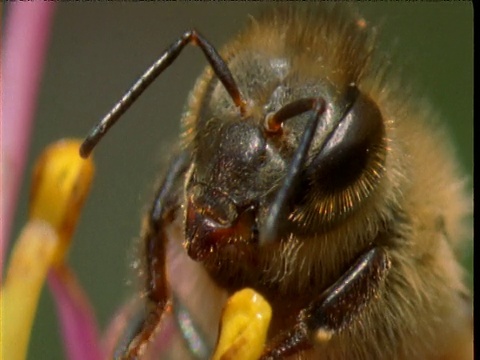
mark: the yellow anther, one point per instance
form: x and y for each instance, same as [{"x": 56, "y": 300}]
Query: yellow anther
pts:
[{"x": 244, "y": 326}]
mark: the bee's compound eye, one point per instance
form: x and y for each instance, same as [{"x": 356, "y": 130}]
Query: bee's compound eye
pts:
[{"x": 351, "y": 147}]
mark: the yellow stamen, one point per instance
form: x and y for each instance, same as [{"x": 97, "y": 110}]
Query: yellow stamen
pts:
[
  {"x": 244, "y": 326},
  {"x": 61, "y": 181},
  {"x": 60, "y": 186},
  {"x": 34, "y": 252}
]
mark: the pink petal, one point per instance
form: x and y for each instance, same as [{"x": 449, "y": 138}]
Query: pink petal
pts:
[
  {"x": 79, "y": 328},
  {"x": 27, "y": 31},
  {"x": 118, "y": 326}
]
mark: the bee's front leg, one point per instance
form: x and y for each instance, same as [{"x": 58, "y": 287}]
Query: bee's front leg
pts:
[
  {"x": 335, "y": 308},
  {"x": 154, "y": 239}
]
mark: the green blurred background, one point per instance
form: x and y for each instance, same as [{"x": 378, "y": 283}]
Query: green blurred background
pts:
[{"x": 98, "y": 49}]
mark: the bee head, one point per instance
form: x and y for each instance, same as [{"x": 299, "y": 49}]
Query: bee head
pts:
[{"x": 302, "y": 151}]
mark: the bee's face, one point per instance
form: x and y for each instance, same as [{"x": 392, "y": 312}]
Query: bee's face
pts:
[{"x": 240, "y": 165}]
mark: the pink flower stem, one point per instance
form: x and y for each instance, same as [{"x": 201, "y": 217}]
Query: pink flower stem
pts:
[
  {"x": 26, "y": 35},
  {"x": 75, "y": 315}
]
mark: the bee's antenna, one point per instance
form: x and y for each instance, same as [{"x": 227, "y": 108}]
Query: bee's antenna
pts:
[
  {"x": 282, "y": 199},
  {"x": 218, "y": 65},
  {"x": 273, "y": 124}
]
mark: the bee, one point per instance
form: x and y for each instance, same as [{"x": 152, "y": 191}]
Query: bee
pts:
[{"x": 305, "y": 172}]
